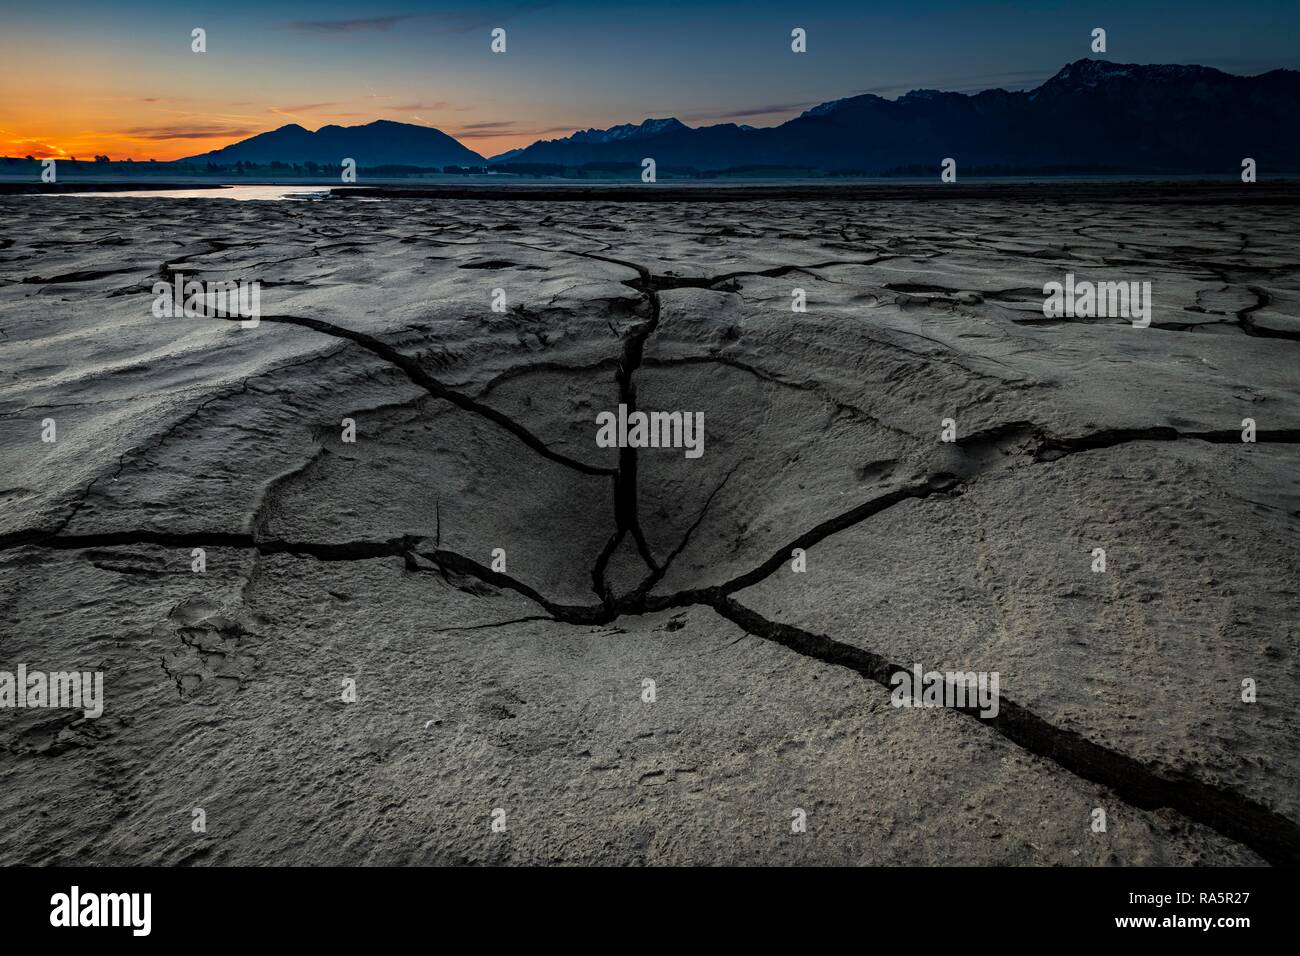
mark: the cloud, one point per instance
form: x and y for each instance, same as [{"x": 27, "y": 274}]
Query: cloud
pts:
[
  {"x": 421, "y": 107},
  {"x": 184, "y": 132},
  {"x": 38, "y": 149},
  {"x": 482, "y": 131},
  {"x": 504, "y": 128},
  {"x": 301, "y": 108},
  {"x": 752, "y": 111},
  {"x": 143, "y": 99},
  {"x": 443, "y": 22},
  {"x": 348, "y": 26},
  {"x": 205, "y": 114}
]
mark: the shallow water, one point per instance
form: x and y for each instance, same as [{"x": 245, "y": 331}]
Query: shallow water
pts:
[{"x": 224, "y": 192}]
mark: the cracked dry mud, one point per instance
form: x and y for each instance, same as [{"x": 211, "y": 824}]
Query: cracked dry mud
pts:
[{"x": 522, "y": 690}]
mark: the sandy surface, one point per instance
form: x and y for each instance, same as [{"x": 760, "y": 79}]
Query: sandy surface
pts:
[{"x": 478, "y": 690}]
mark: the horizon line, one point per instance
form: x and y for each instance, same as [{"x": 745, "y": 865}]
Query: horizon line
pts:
[{"x": 769, "y": 109}]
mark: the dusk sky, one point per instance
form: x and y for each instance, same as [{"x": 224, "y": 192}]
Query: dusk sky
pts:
[{"x": 81, "y": 78}]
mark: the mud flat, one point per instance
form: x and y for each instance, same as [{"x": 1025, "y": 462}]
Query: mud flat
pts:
[{"x": 607, "y": 650}]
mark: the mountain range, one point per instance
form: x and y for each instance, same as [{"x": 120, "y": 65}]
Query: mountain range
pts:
[
  {"x": 382, "y": 142},
  {"x": 1092, "y": 113}
]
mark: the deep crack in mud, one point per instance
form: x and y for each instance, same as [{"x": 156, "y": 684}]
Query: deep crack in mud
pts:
[{"x": 997, "y": 447}]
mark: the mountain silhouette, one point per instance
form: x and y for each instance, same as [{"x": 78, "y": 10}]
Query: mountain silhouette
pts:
[
  {"x": 382, "y": 142},
  {"x": 1092, "y": 114},
  {"x": 625, "y": 133},
  {"x": 1126, "y": 117}
]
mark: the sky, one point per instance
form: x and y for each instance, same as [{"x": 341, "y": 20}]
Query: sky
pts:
[{"x": 86, "y": 77}]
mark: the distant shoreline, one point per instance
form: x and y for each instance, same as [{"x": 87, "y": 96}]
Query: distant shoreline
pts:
[
  {"x": 1205, "y": 192},
  {"x": 1211, "y": 192},
  {"x": 11, "y": 188}
]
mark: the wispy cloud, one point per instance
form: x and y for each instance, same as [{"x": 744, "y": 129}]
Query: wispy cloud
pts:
[
  {"x": 348, "y": 26},
  {"x": 37, "y": 148},
  {"x": 206, "y": 114},
  {"x": 301, "y": 108},
  {"x": 421, "y": 107},
  {"x": 751, "y": 111},
  {"x": 187, "y": 132},
  {"x": 442, "y": 22},
  {"x": 142, "y": 99},
  {"x": 482, "y": 131},
  {"x": 504, "y": 128}
]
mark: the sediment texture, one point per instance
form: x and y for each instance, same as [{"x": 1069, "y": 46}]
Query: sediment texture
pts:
[{"x": 522, "y": 689}]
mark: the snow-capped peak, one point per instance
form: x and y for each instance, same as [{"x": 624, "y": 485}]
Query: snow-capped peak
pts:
[{"x": 650, "y": 127}]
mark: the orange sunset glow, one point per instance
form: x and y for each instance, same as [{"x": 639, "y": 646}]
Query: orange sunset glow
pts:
[
  {"x": 123, "y": 79},
  {"x": 166, "y": 128}
]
